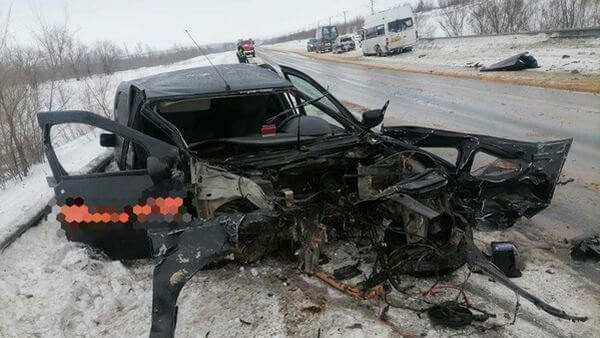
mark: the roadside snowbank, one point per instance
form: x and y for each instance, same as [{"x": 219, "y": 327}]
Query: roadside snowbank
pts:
[
  {"x": 553, "y": 54},
  {"x": 21, "y": 199}
]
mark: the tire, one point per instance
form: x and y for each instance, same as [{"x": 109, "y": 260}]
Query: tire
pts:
[
  {"x": 253, "y": 54},
  {"x": 378, "y": 51}
]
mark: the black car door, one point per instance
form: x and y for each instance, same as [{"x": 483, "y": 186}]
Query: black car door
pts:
[
  {"x": 104, "y": 209},
  {"x": 499, "y": 180}
]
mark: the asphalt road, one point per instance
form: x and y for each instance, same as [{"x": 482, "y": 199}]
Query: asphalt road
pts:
[{"x": 511, "y": 111}]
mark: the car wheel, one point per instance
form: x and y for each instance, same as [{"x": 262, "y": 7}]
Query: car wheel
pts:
[{"x": 378, "y": 51}]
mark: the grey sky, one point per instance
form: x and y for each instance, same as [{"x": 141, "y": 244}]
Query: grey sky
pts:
[{"x": 160, "y": 23}]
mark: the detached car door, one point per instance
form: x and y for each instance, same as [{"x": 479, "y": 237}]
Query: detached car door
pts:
[
  {"x": 499, "y": 180},
  {"x": 104, "y": 209}
]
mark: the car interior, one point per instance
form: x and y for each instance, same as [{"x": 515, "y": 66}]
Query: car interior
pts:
[{"x": 240, "y": 119}]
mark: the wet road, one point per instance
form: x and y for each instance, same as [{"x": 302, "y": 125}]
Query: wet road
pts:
[{"x": 518, "y": 112}]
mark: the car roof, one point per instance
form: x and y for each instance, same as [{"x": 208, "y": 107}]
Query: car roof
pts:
[{"x": 205, "y": 81}]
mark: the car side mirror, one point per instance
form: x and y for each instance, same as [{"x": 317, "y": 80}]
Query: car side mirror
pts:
[
  {"x": 108, "y": 140},
  {"x": 158, "y": 169},
  {"x": 372, "y": 118}
]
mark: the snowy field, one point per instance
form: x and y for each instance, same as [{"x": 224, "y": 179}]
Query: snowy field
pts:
[
  {"x": 553, "y": 54},
  {"x": 21, "y": 199}
]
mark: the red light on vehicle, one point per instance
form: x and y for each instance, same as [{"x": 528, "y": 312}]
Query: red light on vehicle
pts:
[{"x": 268, "y": 130}]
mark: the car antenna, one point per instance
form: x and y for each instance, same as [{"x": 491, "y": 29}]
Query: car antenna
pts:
[{"x": 227, "y": 86}]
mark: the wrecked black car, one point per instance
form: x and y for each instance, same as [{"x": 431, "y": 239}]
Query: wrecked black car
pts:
[{"x": 235, "y": 160}]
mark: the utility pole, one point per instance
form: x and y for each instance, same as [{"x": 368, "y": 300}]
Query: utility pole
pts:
[
  {"x": 330, "y": 20},
  {"x": 372, "y": 10},
  {"x": 345, "y": 23}
]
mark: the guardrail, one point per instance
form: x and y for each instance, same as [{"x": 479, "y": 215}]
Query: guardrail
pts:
[
  {"x": 588, "y": 32},
  {"x": 97, "y": 164}
]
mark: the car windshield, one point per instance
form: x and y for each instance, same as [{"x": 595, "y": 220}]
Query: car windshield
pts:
[
  {"x": 221, "y": 117},
  {"x": 247, "y": 42}
]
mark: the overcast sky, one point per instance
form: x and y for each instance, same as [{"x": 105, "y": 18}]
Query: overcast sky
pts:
[{"x": 160, "y": 23}]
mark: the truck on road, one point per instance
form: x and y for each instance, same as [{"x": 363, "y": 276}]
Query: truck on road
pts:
[
  {"x": 325, "y": 36},
  {"x": 389, "y": 32},
  {"x": 248, "y": 46}
]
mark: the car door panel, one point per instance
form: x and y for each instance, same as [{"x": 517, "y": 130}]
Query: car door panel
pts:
[{"x": 105, "y": 209}]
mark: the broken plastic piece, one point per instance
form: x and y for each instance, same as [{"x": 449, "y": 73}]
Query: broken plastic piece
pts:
[
  {"x": 588, "y": 248},
  {"x": 347, "y": 272},
  {"x": 476, "y": 260},
  {"x": 517, "y": 62},
  {"x": 505, "y": 257},
  {"x": 450, "y": 314}
]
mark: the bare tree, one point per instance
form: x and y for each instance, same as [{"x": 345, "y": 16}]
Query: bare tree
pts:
[
  {"x": 453, "y": 17},
  {"x": 106, "y": 54},
  {"x": 424, "y": 6},
  {"x": 97, "y": 95},
  {"x": 424, "y": 26},
  {"x": 55, "y": 42},
  {"x": 13, "y": 92},
  {"x": 4, "y": 31},
  {"x": 501, "y": 16},
  {"x": 569, "y": 14}
]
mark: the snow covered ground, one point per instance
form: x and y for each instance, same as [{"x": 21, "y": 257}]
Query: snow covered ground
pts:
[
  {"x": 54, "y": 288},
  {"x": 21, "y": 199},
  {"x": 557, "y": 55}
]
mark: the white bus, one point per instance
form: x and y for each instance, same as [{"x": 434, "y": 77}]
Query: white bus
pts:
[{"x": 389, "y": 32}]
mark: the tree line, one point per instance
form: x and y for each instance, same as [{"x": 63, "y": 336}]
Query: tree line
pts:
[
  {"x": 58, "y": 71},
  {"x": 510, "y": 16}
]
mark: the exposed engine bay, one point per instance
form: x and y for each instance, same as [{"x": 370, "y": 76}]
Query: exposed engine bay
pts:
[{"x": 416, "y": 217}]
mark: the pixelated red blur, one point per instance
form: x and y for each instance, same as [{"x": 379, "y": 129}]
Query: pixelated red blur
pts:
[{"x": 81, "y": 213}]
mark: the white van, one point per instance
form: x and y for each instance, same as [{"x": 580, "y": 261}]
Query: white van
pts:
[{"x": 389, "y": 32}]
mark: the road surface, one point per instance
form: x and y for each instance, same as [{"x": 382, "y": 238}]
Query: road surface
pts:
[{"x": 518, "y": 112}]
